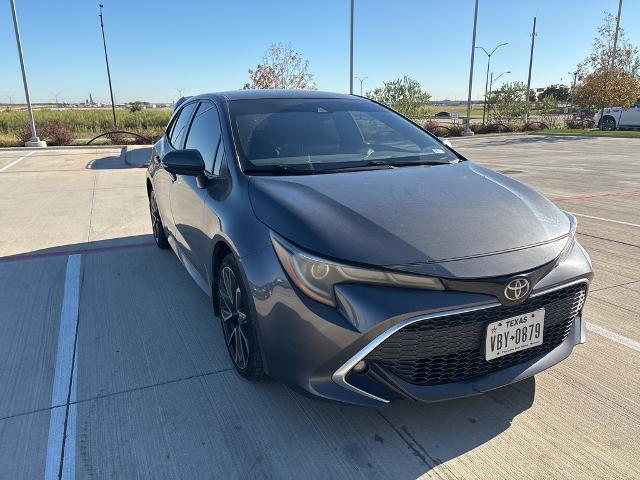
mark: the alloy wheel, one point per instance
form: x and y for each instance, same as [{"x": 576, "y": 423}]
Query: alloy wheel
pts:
[
  {"x": 608, "y": 123},
  {"x": 156, "y": 223},
  {"x": 234, "y": 317}
]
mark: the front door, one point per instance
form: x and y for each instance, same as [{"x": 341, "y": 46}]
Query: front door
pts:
[{"x": 188, "y": 194}]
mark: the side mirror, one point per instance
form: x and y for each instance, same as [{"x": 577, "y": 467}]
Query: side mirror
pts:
[{"x": 184, "y": 162}]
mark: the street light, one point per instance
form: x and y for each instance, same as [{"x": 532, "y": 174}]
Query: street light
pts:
[
  {"x": 351, "y": 53},
  {"x": 34, "y": 141},
  {"x": 491, "y": 89},
  {"x": 106, "y": 58},
  {"x": 361, "y": 80},
  {"x": 486, "y": 82},
  {"x": 467, "y": 131}
]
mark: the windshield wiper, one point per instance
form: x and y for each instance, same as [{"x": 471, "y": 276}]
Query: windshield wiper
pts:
[
  {"x": 377, "y": 164},
  {"x": 371, "y": 164},
  {"x": 281, "y": 169}
]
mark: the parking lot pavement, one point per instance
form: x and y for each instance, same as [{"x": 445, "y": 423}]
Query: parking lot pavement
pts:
[{"x": 113, "y": 366}]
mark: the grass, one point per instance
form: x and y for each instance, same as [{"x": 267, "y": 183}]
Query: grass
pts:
[
  {"x": 86, "y": 122},
  {"x": 579, "y": 131},
  {"x": 8, "y": 140}
]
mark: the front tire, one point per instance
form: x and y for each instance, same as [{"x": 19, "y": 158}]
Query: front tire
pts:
[
  {"x": 156, "y": 223},
  {"x": 237, "y": 318},
  {"x": 608, "y": 123}
]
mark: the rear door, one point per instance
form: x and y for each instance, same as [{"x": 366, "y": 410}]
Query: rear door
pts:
[
  {"x": 163, "y": 180},
  {"x": 631, "y": 116},
  {"x": 188, "y": 194}
]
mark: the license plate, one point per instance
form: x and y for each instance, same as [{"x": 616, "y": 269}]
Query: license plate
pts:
[{"x": 514, "y": 334}]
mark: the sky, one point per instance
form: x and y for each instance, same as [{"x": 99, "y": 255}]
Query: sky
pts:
[{"x": 157, "y": 47}]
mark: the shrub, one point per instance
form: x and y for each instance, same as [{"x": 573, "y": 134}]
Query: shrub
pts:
[
  {"x": 56, "y": 133},
  {"x": 150, "y": 136},
  {"x": 24, "y": 134},
  {"x": 430, "y": 125},
  {"x": 117, "y": 138},
  {"x": 456, "y": 129}
]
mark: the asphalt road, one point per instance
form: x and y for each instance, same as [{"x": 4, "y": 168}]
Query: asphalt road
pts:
[{"x": 112, "y": 365}]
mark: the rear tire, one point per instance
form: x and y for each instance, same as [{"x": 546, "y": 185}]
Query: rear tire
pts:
[
  {"x": 156, "y": 223},
  {"x": 608, "y": 123},
  {"x": 238, "y": 320}
]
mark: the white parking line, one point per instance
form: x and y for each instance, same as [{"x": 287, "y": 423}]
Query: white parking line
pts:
[
  {"x": 16, "y": 161},
  {"x": 62, "y": 420},
  {"x": 605, "y": 219},
  {"x": 616, "y": 337}
]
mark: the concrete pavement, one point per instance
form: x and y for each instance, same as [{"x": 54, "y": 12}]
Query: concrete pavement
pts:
[{"x": 154, "y": 394}]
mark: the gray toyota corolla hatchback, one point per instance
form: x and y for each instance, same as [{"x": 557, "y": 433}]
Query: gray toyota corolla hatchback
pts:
[{"x": 355, "y": 257}]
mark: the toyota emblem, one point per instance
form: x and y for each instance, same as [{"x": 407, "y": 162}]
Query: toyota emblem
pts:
[{"x": 517, "y": 289}]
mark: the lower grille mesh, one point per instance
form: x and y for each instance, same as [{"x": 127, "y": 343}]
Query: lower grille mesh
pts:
[{"x": 449, "y": 349}]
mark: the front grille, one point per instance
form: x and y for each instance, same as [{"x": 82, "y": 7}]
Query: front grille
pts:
[{"x": 449, "y": 349}]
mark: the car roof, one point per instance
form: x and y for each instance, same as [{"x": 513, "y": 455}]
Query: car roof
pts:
[{"x": 256, "y": 94}]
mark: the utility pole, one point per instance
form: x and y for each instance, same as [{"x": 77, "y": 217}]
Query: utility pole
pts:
[
  {"x": 106, "y": 58},
  {"x": 34, "y": 141},
  {"x": 351, "y": 54},
  {"x": 533, "y": 42},
  {"x": 615, "y": 38},
  {"x": 486, "y": 82},
  {"x": 467, "y": 130},
  {"x": 361, "y": 80}
]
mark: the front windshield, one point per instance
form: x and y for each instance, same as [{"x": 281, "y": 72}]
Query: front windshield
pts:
[{"x": 324, "y": 134}]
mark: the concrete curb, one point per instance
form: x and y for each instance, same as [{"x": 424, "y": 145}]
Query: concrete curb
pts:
[
  {"x": 586, "y": 135},
  {"x": 126, "y": 156},
  {"x": 67, "y": 147},
  {"x": 487, "y": 135}
]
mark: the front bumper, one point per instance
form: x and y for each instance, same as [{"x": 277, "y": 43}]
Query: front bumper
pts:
[{"x": 313, "y": 348}]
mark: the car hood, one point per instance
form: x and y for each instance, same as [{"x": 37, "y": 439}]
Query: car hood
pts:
[{"x": 428, "y": 219}]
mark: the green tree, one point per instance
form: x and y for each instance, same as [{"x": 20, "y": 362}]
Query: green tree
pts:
[
  {"x": 508, "y": 103},
  {"x": 560, "y": 92},
  {"x": 549, "y": 110},
  {"x": 404, "y": 95},
  {"x": 136, "y": 106}
]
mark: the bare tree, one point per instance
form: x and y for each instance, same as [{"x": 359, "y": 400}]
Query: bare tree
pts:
[{"x": 281, "y": 67}]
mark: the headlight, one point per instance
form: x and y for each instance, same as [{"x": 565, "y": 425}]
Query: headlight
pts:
[
  {"x": 316, "y": 277},
  {"x": 570, "y": 241}
]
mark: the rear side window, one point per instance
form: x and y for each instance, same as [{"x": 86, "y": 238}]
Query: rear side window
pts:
[
  {"x": 204, "y": 134},
  {"x": 179, "y": 130}
]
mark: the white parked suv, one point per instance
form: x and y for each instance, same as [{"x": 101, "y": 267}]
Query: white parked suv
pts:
[{"x": 618, "y": 117}]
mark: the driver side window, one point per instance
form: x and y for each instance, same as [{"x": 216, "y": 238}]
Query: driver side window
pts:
[{"x": 204, "y": 134}]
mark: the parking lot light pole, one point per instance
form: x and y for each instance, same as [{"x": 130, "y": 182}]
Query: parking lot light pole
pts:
[
  {"x": 106, "y": 58},
  {"x": 34, "y": 141},
  {"x": 351, "y": 53},
  {"x": 533, "y": 43},
  {"x": 361, "y": 80},
  {"x": 486, "y": 82},
  {"x": 467, "y": 130}
]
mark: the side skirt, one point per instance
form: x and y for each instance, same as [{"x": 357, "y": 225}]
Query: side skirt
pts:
[{"x": 191, "y": 270}]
